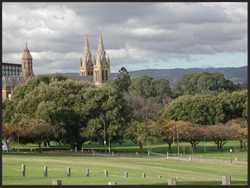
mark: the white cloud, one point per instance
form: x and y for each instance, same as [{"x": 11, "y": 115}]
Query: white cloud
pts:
[{"x": 147, "y": 31}]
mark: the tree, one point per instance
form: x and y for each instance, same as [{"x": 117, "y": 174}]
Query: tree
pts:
[
  {"x": 164, "y": 129},
  {"x": 30, "y": 130},
  {"x": 109, "y": 115},
  {"x": 219, "y": 133},
  {"x": 148, "y": 87},
  {"x": 191, "y": 133},
  {"x": 245, "y": 110},
  {"x": 123, "y": 80},
  {"x": 203, "y": 83},
  {"x": 144, "y": 109},
  {"x": 231, "y": 104},
  {"x": 239, "y": 130},
  {"x": 162, "y": 91},
  {"x": 8, "y": 107},
  {"x": 138, "y": 132},
  {"x": 207, "y": 109}
]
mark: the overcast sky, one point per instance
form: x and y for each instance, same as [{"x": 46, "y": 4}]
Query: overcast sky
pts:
[{"x": 136, "y": 35}]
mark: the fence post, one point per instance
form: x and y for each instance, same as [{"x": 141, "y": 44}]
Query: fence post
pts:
[
  {"x": 126, "y": 174},
  {"x": 106, "y": 173},
  {"x": 190, "y": 158},
  {"x": 87, "y": 172},
  {"x": 226, "y": 180},
  {"x": 57, "y": 182},
  {"x": 68, "y": 172},
  {"x": 23, "y": 170},
  {"x": 45, "y": 171},
  {"x": 172, "y": 181},
  {"x": 112, "y": 183},
  {"x": 167, "y": 155},
  {"x": 143, "y": 175}
]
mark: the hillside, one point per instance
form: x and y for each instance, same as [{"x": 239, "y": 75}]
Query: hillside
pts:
[{"x": 237, "y": 75}]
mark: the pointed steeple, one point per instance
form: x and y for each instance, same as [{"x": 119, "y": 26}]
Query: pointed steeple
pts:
[
  {"x": 27, "y": 66},
  {"x": 87, "y": 43},
  {"x": 100, "y": 47},
  {"x": 86, "y": 56},
  {"x": 86, "y": 65},
  {"x": 26, "y": 53}
]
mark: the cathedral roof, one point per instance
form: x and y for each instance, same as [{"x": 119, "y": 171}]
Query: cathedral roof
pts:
[{"x": 26, "y": 53}]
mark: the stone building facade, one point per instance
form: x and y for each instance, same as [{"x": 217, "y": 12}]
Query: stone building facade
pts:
[
  {"x": 99, "y": 67},
  {"x": 13, "y": 74},
  {"x": 27, "y": 66}
]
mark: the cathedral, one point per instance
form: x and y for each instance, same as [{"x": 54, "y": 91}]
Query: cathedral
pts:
[
  {"x": 13, "y": 74},
  {"x": 99, "y": 67},
  {"x": 96, "y": 69}
]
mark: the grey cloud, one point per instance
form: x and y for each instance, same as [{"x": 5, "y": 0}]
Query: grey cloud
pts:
[{"x": 156, "y": 30}]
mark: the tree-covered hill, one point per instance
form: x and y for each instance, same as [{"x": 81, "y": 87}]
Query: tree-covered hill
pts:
[{"x": 235, "y": 74}]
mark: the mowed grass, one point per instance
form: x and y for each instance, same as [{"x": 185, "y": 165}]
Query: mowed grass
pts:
[{"x": 203, "y": 172}]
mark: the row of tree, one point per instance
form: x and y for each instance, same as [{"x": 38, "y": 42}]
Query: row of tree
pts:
[
  {"x": 183, "y": 131},
  {"x": 55, "y": 108}
]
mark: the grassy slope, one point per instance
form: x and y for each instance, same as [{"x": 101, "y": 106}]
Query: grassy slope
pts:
[{"x": 187, "y": 172}]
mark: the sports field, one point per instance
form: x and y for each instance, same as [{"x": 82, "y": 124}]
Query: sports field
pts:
[{"x": 187, "y": 172}]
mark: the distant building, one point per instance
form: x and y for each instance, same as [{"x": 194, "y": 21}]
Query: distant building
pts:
[
  {"x": 99, "y": 67},
  {"x": 27, "y": 67},
  {"x": 12, "y": 74}
]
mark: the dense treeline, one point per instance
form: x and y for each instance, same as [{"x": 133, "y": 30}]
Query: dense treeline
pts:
[
  {"x": 202, "y": 105},
  {"x": 207, "y": 109},
  {"x": 203, "y": 83}
]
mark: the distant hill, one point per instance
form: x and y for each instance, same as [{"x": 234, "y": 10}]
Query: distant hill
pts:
[{"x": 236, "y": 74}]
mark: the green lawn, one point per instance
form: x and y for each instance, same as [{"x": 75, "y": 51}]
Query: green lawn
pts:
[{"x": 187, "y": 172}]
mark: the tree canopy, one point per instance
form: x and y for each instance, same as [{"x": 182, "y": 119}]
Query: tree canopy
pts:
[{"x": 203, "y": 83}]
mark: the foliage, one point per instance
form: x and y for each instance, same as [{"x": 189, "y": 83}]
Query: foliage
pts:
[
  {"x": 207, "y": 109},
  {"x": 139, "y": 133},
  {"x": 147, "y": 87},
  {"x": 203, "y": 83},
  {"x": 123, "y": 80}
]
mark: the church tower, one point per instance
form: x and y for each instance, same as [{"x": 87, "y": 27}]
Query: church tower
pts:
[
  {"x": 102, "y": 64},
  {"x": 27, "y": 69},
  {"x": 86, "y": 65}
]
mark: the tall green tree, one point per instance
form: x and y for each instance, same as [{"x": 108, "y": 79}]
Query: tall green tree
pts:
[
  {"x": 203, "y": 83},
  {"x": 123, "y": 80}
]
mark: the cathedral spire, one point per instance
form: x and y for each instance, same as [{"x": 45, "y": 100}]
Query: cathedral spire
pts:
[
  {"x": 100, "y": 47},
  {"x": 86, "y": 65},
  {"x": 87, "y": 43}
]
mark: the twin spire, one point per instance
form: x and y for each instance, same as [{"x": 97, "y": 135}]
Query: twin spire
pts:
[
  {"x": 99, "y": 67},
  {"x": 100, "y": 52},
  {"x": 100, "y": 46}
]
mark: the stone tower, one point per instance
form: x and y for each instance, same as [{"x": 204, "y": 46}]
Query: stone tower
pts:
[
  {"x": 27, "y": 69},
  {"x": 86, "y": 65},
  {"x": 101, "y": 70}
]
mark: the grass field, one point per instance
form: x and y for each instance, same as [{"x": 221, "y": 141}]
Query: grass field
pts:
[{"x": 187, "y": 172}]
